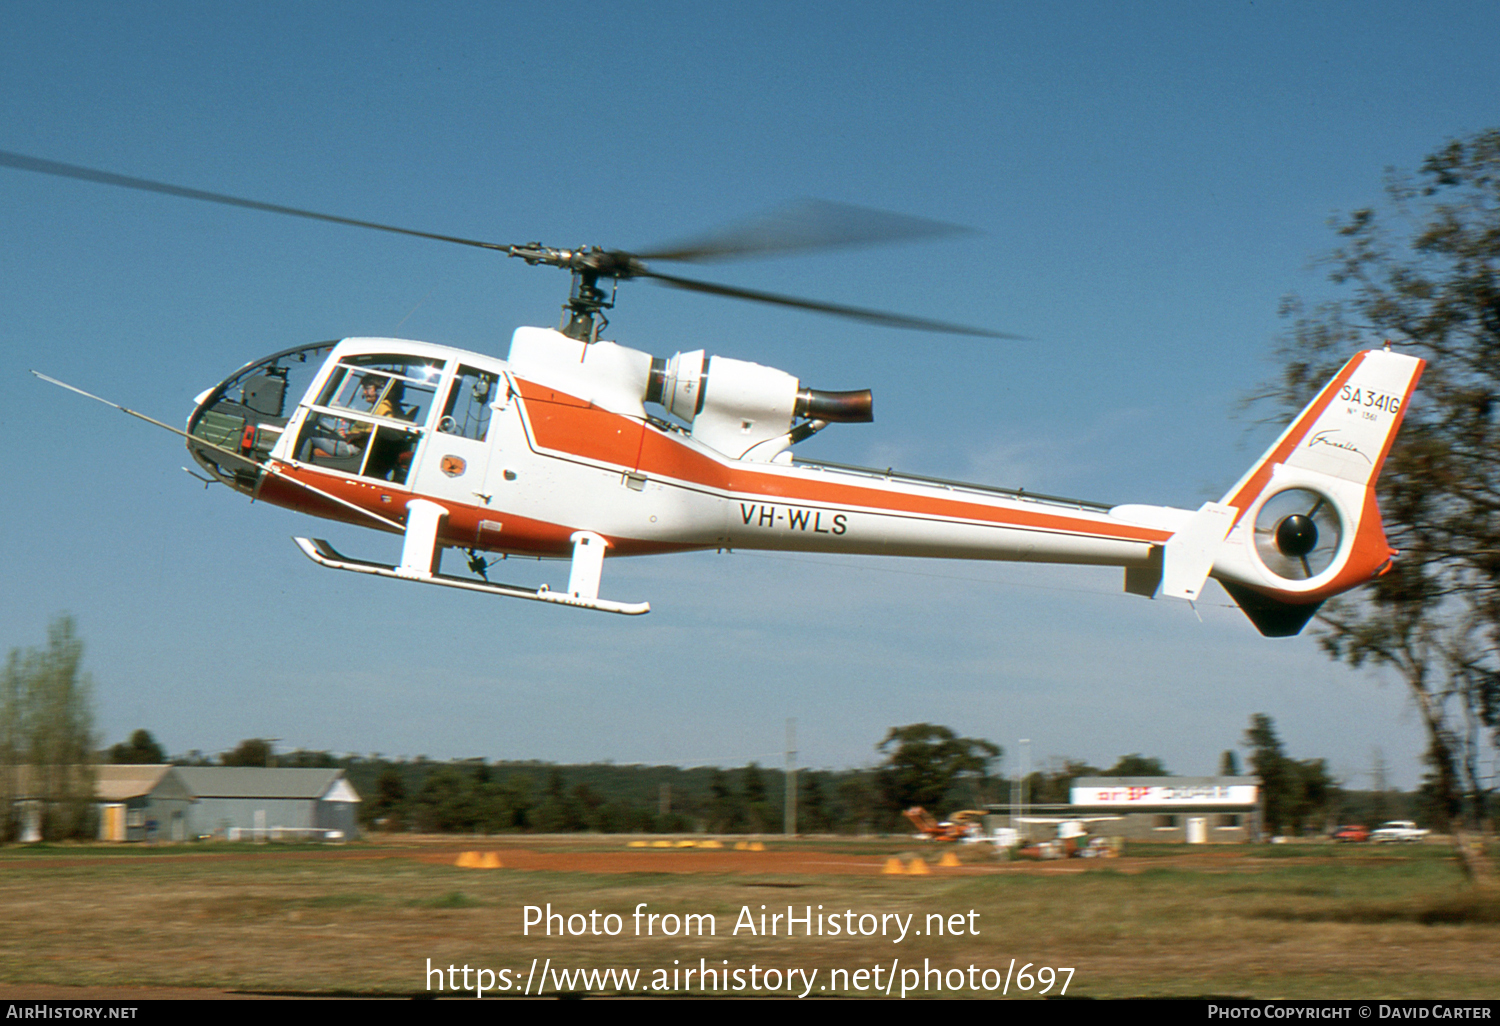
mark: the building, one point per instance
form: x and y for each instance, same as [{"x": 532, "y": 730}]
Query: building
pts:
[
  {"x": 1192, "y": 809},
  {"x": 234, "y": 802},
  {"x": 142, "y": 803},
  {"x": 182, "y": 803}
]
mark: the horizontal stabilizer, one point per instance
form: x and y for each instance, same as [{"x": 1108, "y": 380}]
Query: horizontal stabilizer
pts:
[{"x": 320, "y": 552}]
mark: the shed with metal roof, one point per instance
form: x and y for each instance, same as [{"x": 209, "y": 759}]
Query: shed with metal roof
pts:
[{"x": 247, "y": 802}]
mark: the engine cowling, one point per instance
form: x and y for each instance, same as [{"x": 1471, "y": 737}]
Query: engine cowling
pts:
[{"x": 742, "y": 409}]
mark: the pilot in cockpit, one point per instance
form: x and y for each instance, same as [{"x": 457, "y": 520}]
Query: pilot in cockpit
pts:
[{"x": 352, "y": 436}]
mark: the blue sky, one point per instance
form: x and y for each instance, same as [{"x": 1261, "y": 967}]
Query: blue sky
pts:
[{"x": 1148, "y": 182}]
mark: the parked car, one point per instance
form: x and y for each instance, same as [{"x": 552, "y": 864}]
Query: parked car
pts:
[
  {"x": 1353, "y": 832},
  {"x": 1397, "y": 830}
]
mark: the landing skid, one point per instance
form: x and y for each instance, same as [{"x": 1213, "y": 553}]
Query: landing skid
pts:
[{"x": 320, "y": 552}]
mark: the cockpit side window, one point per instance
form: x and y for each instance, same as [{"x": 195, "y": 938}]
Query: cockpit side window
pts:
[
  {"x": 357, "y": 445},
  {"x": 367, "y": 418},
  {"x": 401, "y": 388}
]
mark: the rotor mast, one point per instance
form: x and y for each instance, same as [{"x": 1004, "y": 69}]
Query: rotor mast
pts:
[{"x": 583, "y": 313}]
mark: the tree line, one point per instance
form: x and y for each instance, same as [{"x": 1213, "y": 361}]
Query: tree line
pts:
[{"x": 924, "y": 764}]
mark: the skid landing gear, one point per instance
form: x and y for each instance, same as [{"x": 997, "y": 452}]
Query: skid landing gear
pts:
[{"x": 420, "y": 556}]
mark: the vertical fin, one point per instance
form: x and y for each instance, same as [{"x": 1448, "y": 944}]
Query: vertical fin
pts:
[
  {"x": 1329, "y": 459},
  {"x": 1347, "y": 430}
]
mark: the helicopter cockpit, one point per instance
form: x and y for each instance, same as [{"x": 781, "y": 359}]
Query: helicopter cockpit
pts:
[{"x": 367, "y": 418}]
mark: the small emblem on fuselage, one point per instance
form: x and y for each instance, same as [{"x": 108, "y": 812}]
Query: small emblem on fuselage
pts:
[{"x": 453, "y": 466}]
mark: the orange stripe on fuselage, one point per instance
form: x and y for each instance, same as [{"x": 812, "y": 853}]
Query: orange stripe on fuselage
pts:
[
  {"x": 376, "y": 496},
  {"x": 461, "y": 528},
  {"x": 564, "y": 424}
]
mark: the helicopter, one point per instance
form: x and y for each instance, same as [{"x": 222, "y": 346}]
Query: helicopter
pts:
[{"x": 576, "y": 447}]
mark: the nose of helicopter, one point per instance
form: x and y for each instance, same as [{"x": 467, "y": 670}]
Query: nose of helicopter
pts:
[{"x": 247, "y": 411}]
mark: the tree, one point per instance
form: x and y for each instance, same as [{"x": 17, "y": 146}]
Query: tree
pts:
[
  {"x": 390, "y": 800},
  {"x": 446, "y": 802},
  {"x": 758, "y": 811},
  {"x": 753, "y": 782},
  {"x": 511, "y": 803},
  {"x": 1055, "y": 787},
  {"x": 1137, "y": 765},
  {"x": 1229, "y": 764},
  {"x": 1425, "y": 274},
  {"x": 924, "y": 761},
  {"x": 1295, "y": 795},
  {"x": 723, "y": 806},
  {"x": 46, "y": 730},
  {"x": 140, "y": 750},
  {"x": 1278, "y": 783},
  {"x": 253, "y": 751},
  {"x": 812, "y": 803},
  {"x": 303, "y": 759},
  {"x": 1320, "y": 795},
  {"x": 857, "y": 803}
]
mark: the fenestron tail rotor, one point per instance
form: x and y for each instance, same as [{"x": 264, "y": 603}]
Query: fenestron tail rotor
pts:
[
  {"x": 802, "y": 227},
  {"x": 1298, "y": 533}
]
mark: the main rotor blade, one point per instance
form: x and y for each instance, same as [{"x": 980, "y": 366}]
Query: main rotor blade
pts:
[
  {"x": 803, "y": 226},
  {"x": 857, "y": 313},
  {"x": 53, "y": 167},
  {"x": 809, "y": 225}
]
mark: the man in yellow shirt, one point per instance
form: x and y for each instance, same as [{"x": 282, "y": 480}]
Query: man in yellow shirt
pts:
[{"x": 352, "y": 436}]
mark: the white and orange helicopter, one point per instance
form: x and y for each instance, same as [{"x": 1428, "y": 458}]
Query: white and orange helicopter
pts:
[{"x": 575, "y": 447}]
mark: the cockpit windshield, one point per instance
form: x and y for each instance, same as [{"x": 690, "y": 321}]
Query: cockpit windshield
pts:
[{"x": 248, "y": 412}]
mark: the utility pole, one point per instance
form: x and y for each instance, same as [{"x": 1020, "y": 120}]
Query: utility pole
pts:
[
  {"x": 1025, "y": 770},
  {"x": 789, "y": 818}
]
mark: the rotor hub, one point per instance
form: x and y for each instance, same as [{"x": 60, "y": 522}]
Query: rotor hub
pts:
[{"x": 1296, "y": 535}]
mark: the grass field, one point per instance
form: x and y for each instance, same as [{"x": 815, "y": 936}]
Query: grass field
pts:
[{"x": 1311, "y": 920}]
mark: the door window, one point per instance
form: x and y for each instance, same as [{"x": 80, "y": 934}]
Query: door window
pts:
[{"x": 467, "y": 411}]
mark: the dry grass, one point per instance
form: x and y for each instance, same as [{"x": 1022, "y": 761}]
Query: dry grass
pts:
[{"x": 1320, "y": 922}]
